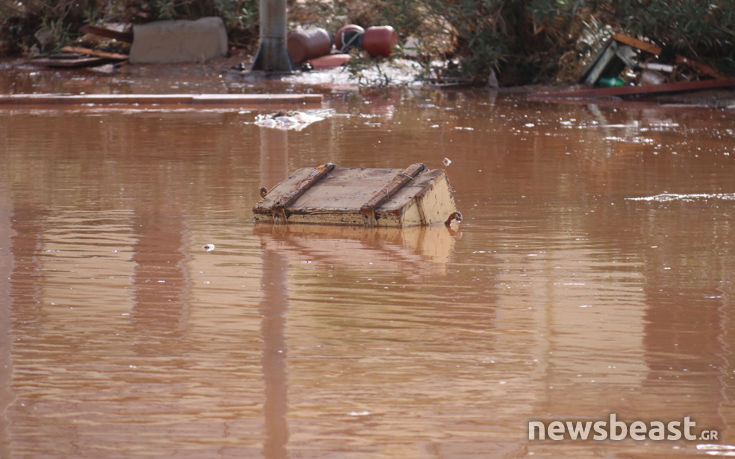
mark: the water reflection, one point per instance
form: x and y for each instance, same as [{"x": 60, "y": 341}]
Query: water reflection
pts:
[
  {"x": 415, "y": 252},
  {"x": 274, "y": 307},
  {"x": 6, "y": 330},
  {"x": 160, "y": 276}
]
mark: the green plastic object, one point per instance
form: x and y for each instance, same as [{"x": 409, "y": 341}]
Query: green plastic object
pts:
[{"x": 609, "y": 82}]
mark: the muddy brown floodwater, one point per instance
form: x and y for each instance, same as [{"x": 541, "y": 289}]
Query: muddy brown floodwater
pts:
[{"x": 593, "y": 274}]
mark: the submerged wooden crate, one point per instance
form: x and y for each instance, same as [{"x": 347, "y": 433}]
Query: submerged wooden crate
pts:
[{"x": 372, "y": 197}]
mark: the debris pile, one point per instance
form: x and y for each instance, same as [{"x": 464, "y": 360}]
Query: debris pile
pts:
[
  {"x": 625, "y": 60},
  {"x": 154, "y": 42},
  {"x": 316, "y": 49},
  {"x": 627, "y": 66}
]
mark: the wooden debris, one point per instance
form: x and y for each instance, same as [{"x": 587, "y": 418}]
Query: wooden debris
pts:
[
  {"x": 95, "y": 53},
  {"x": 69, "y": 61},
  {"x": 636, "y": 43},
  {"x": 414, "y": 196},
  {"x": 656, "y": 50}
]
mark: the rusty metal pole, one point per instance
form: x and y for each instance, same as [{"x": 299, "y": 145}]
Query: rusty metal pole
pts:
[{"x": 272, "y": 54}]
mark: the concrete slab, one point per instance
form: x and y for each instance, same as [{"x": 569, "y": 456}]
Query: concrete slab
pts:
[{"x": 169, "y": 42}]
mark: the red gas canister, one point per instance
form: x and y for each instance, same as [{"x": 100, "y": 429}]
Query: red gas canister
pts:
[
  {"x": 379, "y": 41},
  {"x": 307, "y": 44}
]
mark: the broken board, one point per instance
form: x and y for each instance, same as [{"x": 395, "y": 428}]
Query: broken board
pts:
[
  {"x": 414, "y": 196},
  {"x": 69, "y": 61}
]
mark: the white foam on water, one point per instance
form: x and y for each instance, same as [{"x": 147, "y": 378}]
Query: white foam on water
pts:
[
  {"x": 292, "y": 121},
  {"x": 668, "y": 197}
]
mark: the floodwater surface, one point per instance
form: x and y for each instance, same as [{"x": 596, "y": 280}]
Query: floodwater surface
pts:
[{"x": 593, "y": 274}]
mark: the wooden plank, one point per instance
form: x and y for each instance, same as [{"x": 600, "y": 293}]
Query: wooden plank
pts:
[
  {"x": 96, "y": 53},
  {"x": 367, "y": 210},
  {"x": 237, "y": 100},
  {"x": 69, "y": 61},
  {"x": 257, "y": 99},
  {"x": 637, "y": 90},
  {"x": 127, "y": 37},
  {"x": 636, "y": 43}
]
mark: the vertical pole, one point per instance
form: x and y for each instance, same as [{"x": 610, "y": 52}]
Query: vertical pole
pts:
[{"x": 272, "y": 55}]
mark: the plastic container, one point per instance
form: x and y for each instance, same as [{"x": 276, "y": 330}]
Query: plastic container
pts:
[
  {"x": 651, "y": 77},
  {"x": 349, "y": 30},
  {"x": 379, "y": 41},
  {"x": 308, "y": 44},
  {"x": 610, "y": 82}
]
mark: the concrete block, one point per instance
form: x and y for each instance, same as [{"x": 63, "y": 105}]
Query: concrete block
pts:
[{"x": 167, "y": 42}]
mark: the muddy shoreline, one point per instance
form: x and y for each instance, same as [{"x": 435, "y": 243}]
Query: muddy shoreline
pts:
[{"x": 225, "y": 75}]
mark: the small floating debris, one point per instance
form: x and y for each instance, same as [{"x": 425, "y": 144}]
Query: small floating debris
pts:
[
  {"x": 358, "y": 413},
  {"x": 446, "y": 162},
  {"x": 292, "y": 120},
  {"x": 208, "y": 247},
  {"x": 668, "y": 197}
]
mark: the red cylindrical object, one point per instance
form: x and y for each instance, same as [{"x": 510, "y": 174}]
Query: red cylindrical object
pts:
[
  {"x": 342, "y": 30},
  {"x": 329, "y": 62},
  {"x": 379, "y": 41},
  {"x": 307, "y": 44}
]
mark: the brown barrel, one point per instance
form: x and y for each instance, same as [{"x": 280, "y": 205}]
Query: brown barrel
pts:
[
  {"x": 307, "y": 44},
  {"x": 342, "y": 30},
  {"x": 379, "y": 41}
]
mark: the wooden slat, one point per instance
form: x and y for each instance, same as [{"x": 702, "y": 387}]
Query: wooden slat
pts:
[
  {"x": 279, "y": 206},
  {"x": 368, "y": 209},
  {"x": 95, "y": 53},
  {"x": 636, "y": 43}
]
